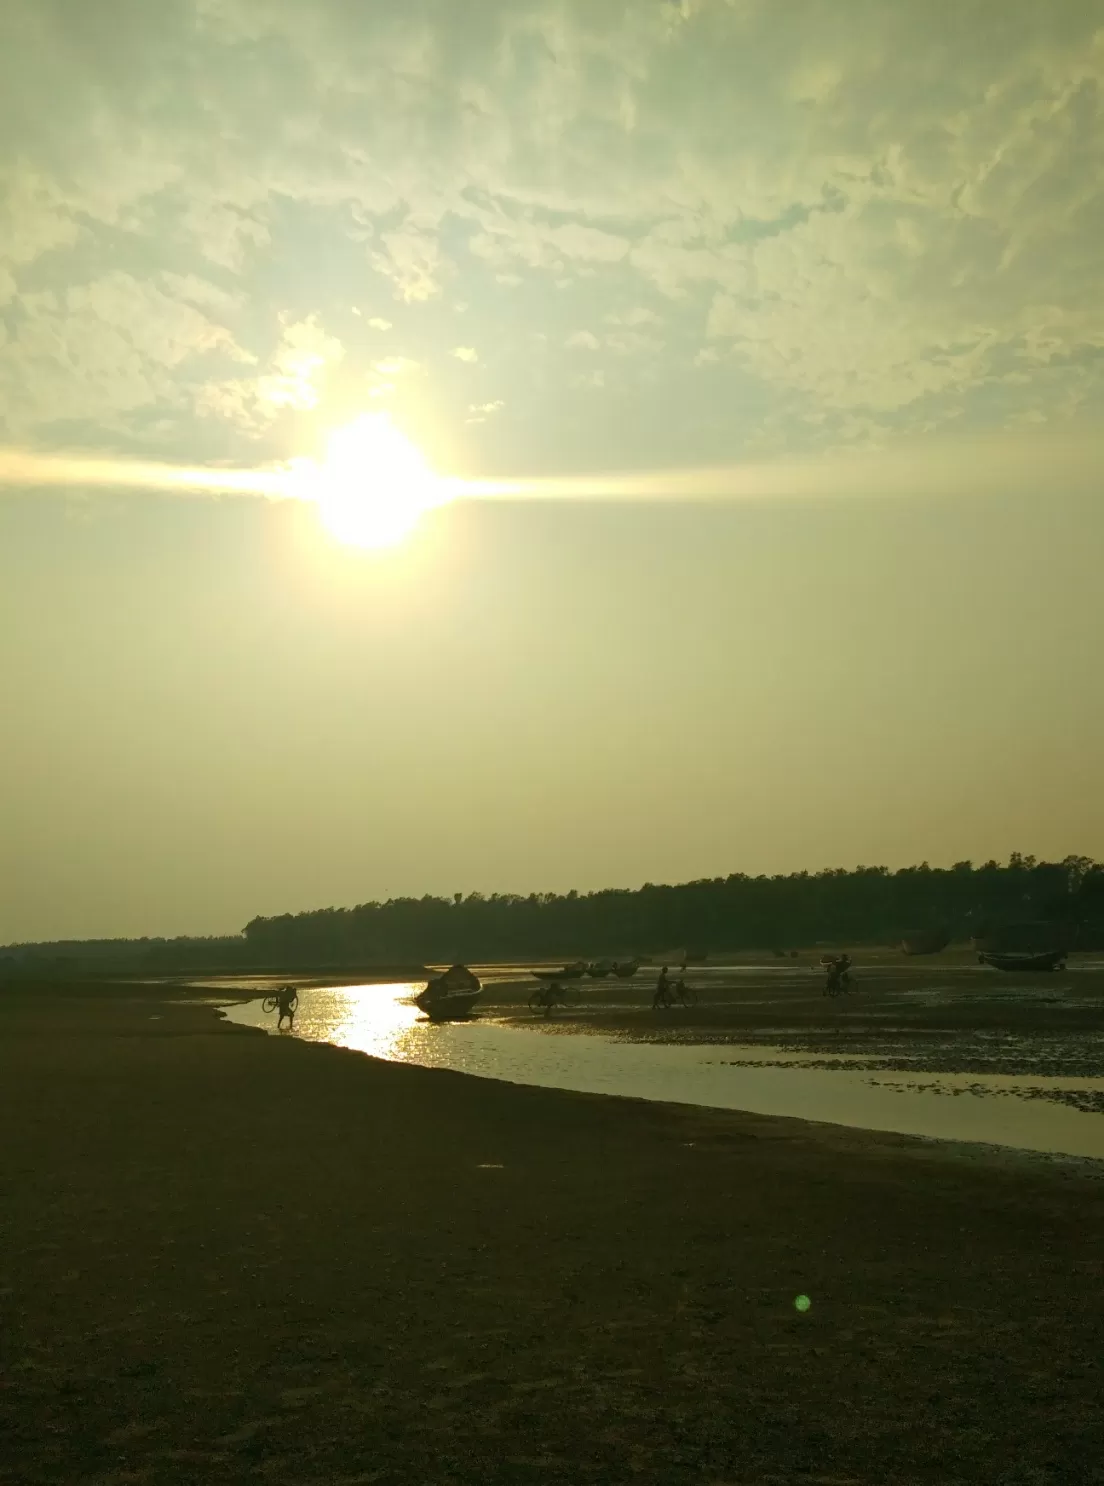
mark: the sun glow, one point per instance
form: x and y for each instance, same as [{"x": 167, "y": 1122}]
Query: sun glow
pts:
[{"x": 373, "y": 486}]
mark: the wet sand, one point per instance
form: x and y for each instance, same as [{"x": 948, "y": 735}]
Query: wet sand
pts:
[
  {"x": 948, "y": 1000},
  {"x": 232, "y": 1258}
]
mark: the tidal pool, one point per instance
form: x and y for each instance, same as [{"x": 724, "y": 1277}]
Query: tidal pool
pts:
[{"x": 1058, "y": 1115}]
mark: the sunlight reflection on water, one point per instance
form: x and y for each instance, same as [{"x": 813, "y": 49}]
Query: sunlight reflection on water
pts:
[{"x": 383, "y": 1021}]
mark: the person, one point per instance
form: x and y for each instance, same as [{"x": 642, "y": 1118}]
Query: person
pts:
[
  {"x": 838, "y": 977},
  {"x": 662, "y": 995},
  {"x": 553, "y": 994},
  {"x": 285, "y": 1000}
]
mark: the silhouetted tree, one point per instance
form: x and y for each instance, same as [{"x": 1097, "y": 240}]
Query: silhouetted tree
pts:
[
  {"x": 1025, "y": 898},
  {"x": 867, "y": 905}
]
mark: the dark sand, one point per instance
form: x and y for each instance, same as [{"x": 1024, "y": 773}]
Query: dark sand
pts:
[
  {"x": 947, "y": 1014},
  {"x": 233, "y": 1258}
]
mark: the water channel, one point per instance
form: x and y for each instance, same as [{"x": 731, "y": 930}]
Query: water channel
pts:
[{"x": 1033, "y": 1112}]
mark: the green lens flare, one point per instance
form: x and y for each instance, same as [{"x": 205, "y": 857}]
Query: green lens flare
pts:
[{"x": 802, "y": 1303}]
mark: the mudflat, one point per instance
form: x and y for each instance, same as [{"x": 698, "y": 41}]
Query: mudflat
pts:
[{"x": 228, "y": 1257}]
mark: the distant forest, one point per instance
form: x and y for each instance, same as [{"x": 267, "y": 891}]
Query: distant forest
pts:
[{"x": 1023, "y": 903}]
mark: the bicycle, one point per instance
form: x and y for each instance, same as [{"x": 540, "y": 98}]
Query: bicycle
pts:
[
  {"x": 547, "y": 998},
  {"x": 839, "y": 985},
  {"x": 270, "y": 1003}
]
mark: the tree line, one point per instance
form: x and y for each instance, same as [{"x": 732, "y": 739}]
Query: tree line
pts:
[
  {"x": 870, "y": 905},
  {"x": 1022, "y": 903}
]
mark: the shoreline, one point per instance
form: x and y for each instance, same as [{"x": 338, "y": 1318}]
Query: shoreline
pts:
[
  {"x": 237, "y": 1257},
  {"x": 862, "y": 1135}
]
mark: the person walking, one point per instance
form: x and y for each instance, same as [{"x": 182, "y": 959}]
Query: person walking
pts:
[
  {"x": 287, "y": 999},
  {"x": 662, "y": 995}
]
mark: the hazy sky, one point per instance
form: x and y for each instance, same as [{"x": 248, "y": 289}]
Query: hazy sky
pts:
[{"x": 550, "y": 239}]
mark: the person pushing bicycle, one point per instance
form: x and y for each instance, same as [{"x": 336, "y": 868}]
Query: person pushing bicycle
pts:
[{"x": 662, "y": 995}]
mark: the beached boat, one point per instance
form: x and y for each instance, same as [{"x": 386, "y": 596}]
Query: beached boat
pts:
[
  {"x": 450, "y": 995},
  {"x": 599, "y": 969},
  {"x": 1054, "y": 959},
  {"x": 626, "y": 969},
  {"x": 569, "y": 972},
  {"x": 449, "y": 1007}
]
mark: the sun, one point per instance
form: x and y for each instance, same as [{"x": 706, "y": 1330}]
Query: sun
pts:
[{"x": 374, "y": 486}]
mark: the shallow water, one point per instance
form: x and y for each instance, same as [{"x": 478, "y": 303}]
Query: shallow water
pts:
[{"x": 1060, "y": 1115}]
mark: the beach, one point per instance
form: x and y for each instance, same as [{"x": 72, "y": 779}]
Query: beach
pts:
[{"x": 229, "y": 1257}]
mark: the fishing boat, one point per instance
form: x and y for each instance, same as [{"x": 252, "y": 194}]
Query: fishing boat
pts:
[
  {"x": 450, "y": 995},
  {"x": 599, "y": 969},
  {"x": 625, "y": 969},
  {"x": 569, "y": 972},
  {"x": 1054, "y": 959}
]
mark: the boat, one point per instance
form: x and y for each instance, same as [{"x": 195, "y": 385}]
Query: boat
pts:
[
  {"x": 569, "y": 972},
  {"x": 625, "y": 969},
  {"x": 925, "y": 942},
  {"x": 450, "y": 995},
  {"x": 1054, "y": 959},
  {"x": 599, "y": 969}
]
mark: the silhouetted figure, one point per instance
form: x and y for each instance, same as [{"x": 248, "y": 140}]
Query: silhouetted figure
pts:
[
  {"x": 839, "y": 978},
  {"x": 662, "y": 995},
  {"x": 287, "y": 1000}
]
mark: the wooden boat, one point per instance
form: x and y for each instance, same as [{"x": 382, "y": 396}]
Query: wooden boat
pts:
[
  {"x": 626, "y": 969},
  {"x": 925, "y": 942},
  {"x": 599, "y": 969},
  {"x": 569, "y": 972},
  {"x": 1054, "y": 959},
  {"x": 450, "y": 995},
  {"x": 448, "y": 1007}
]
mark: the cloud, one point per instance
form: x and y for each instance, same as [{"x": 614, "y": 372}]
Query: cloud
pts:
[
  {"x": 466, "y": 353},
  {"x": 412, "y": 259},
  {"x": 631, "y": 343},
  {"x": 481, "y": 411},
  {"x": 101, "y": 350},
  {"x": 396, "y": 366},
  {"x": 826, "y": 229},
  {"x": 634, "y": 318}
]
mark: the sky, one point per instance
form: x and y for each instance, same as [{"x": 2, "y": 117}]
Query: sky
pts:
[{"x": 821, "y": 287}]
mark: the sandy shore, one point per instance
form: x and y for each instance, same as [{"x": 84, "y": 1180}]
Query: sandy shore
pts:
[
  {"x": 945, "y": 1007},
  {"x": 234, "y": 1258}
]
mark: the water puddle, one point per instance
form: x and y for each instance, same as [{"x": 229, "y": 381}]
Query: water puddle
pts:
[{"x": 1055, "y": 1114}]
